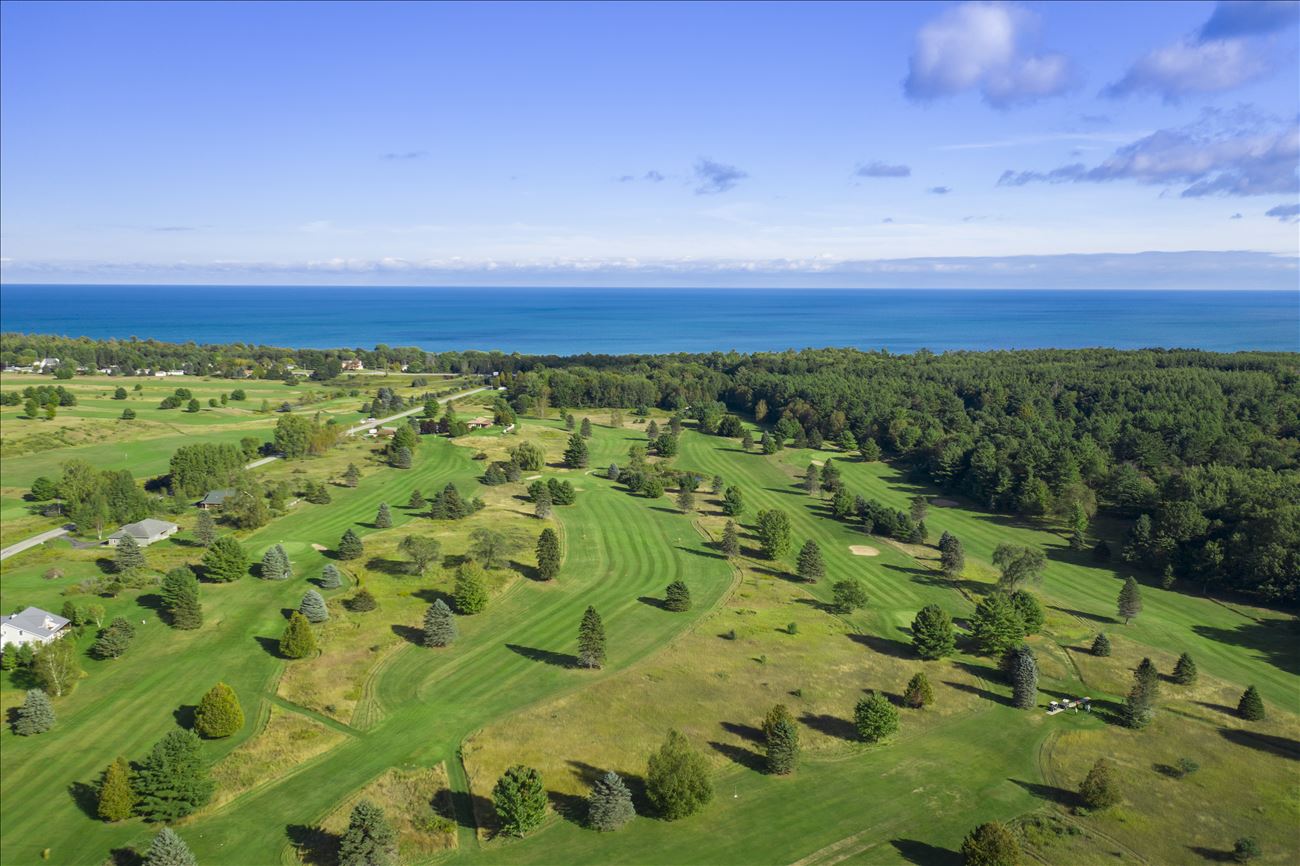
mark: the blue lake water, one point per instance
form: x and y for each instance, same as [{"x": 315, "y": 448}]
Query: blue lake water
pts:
[{"x": 569, "y": 321}]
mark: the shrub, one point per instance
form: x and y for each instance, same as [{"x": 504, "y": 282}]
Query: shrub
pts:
[{"x": 875, "y": 718}]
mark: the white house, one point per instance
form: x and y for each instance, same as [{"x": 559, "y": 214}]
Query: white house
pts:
[
  {"x": 32, "y": 625},
  {"x": 145, "y": 533}
]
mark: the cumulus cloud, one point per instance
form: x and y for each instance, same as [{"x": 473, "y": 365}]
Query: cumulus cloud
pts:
[
  {"x": 1249, "y": 18},
  {"x": 977, "y": 46},
  {"x": 716, "y": 177},
  {"x": 1287, "y": 213},
  {"x": 883, "y": 169},
  {"x": 1236, "y": 153},
  {"x": 939, "y": 190}
]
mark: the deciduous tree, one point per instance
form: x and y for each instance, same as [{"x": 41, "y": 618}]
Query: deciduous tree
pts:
[{"x": 991, "y": 844}]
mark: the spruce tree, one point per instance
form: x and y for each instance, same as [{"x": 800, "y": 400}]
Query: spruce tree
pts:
[
  {"x": 172, "y": 781},
  {"x": 548, "y": 554},
  {"x": 686, "y": 500},
  {"x": 275, "y": 563},
  {"x": 782, "y": 746},
  {"x": 180, "y": 597},
  {"x": 591, "y": 640},
  {"x": 1245, "y": 849},
  {"x": 400, "y": 457},
  {"x": 575, "y": 454},
  {"x": 812, "y": 567},
  {"x": 369, "y": 839},
  {"x": 298, "y": 641},
  {"x": 439, "y": 625},
  {"x": 169, "y": 849},
  {"x": 1139, "y": 705},
  {"x": 205, "y": 529},
  {"x": 875, "y": 718},
  {"x": 313, "y": 607},
  {"x": 225, "y": 560},
  {"x": 585, "y": 429},
  {"x": 1101, "y": 645},
  {"x": 362, "y": 601},
  {"x": 932, "y": 634},
  {"x": 848, "y": 595},
  {"x": 678, "y": 596},
  {"x": 470, "y": 593},
  {"x": 812, "y": 484},
  {"x": 730, "y": 539},
  {"x": 114, "y": 640},
  {"x": 609, "y": 806},
  {"x": 1185, "y": 670},
  {"x": 352, "y": 476},
  {"x": 778, "y": 713},
  {"x": 542, "y": 503},
  {"x": 350, "y": 546},
  {"x": 116, "y": 799},
  {"x": 35, "y": 716},
  {"x": 384, "y": 517},
  {"x": 990, "y": 844},
  {"x": 520, "y": 800},
  {"x": 733, "y": 501},
  {"x": 330, "y": 577},
  {"x": 1023, "y": 673},
  {"x": 1099, "y": 789},
  {"x": 677, "y": 778},
  {"x": 995, "y": 625},
  {"x": 1250, "y": 707},
  {"x": 417, "y": 501},
  {"x": 918, "y": 693},
  {"x": 1130, "y": 600},
  {"x": 128, "y": 556},
  {"x": 219, "y": 713}
]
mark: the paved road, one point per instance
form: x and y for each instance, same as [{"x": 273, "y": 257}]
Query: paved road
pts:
[{"x": 20, "y": 546}]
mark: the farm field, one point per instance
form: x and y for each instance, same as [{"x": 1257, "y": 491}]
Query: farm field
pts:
[{"x": 377, "y": 714}]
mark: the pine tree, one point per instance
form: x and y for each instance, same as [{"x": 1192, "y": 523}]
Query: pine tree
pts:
[
  {"x": 918, "y": 693},
  {"x": 952, "y": 556},
  {"x": 384, "y": 517},
  {"x": 811, "y": 566},
  {"x": 313, "y": 607},
  {"x": 585, "y": 429},
  {"x": 609, "y": 806},
  {"x": 591, "y": 640},
  {"x": 1139, "y": 705},
  {"x": 275, "y": 563},
  {"x": 114, "y": 640},
  {"x": 774, "y": 533},
  {"x": 400, "y": 457},
  {"x": 116, "y": 796},
  {"x": 1099, "y": 789},
  {"x": 299, "y": 641},
  {"x": 1022, "y": 670},
  {"x": 416, "y": 502},
  {"x": 575, "y": 454},
  {"x": 169, "y": 849},
  {"x": 36, "y": 715},
  {"x": 812, "y": 484},
  {"x": 875, "y": 717},
  {"x": 1130, "y": 600},
  {"x": 778, "y": 713},
  {"x": 172, "y": 781},
  {"x": 362, "y": 601},
  {"x": 439, "y": 625},
  {"x": 990, "y": 844},
  {"x": 1185, "y": 670},
  {"x": 686, "y": 500},
  {"x": 205, "y": 529},
  {"x": 219, "y": 713},
  {"x": 932, "y": 635},
  {"x": 1028, "y": 609},
  {"x": 1250, "y": 707},
  {"x": 180, "y": 597},
  {"x": 733, "y": 501},
  {"x": 995, "y": 625},
  {"x": 352, "y": 476},
  {"x": 548, "y": 554},
  {"x": 848, "y": 595},
  {"x": 369, "y": 839},
  {"x": 782, "y": 746},
  {"x": 520, "y": 800},
  {"x": 225, "y": 560},
  {"x": 1245, "y": 849},
  {"x": 1101, "y": 645},
  {"x": 746, "y": 439},
  {"x": 730, "y": 539},
  {"x": 128, "y": 556},
  {"x": 350, "y": 546},
  {"x": 542, "y": 503},
  {"x": 470, "y": 593},
  {"x": 677, "y": 779},
  {"x": 330, "y": 577},
  {"x": 678, "y": 596}
]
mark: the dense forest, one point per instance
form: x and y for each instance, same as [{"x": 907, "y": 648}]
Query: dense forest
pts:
[{"x": 1197, "y": 452}]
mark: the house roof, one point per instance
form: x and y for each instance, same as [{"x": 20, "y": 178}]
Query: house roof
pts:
[
  {"x": 35, "y": 621},
  {"x": 216, "y": 497},
  {"x": 147, "y": 528}
]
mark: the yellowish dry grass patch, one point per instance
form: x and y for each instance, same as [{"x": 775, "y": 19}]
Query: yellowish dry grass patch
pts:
[
  {"x": 288, "y": 741},
  {"x": 416, "y": 802}
]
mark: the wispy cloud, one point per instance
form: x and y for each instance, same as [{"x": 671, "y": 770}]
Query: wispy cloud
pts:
[
  {"x": 1287, "y": 213},
  {"x": 939, "y": 190},
  {"x": 882, "y": 169},
  {"x": 407, "y": 154},
  {"x": 653, "y": 176},
  {"x": 1235, "y": 216},
  {"x": 976, "y": 46},
  {"x": 173, "y": 228},
  {"x": 716, "y": 177}
]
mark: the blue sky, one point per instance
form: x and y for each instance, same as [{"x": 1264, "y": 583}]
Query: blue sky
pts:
[{"x": 715, "y": 144}]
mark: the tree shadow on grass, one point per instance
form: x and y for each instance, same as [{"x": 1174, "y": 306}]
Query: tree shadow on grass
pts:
[
  {"x": 390, "y": 567},
  {"x": 1050, "y": 793},
  {"x": 695, "y": 551},
  {"x": 570, "y": 807},
  {"x": 151, "y": 601},
  {"x": 983, "y": 693},
  {"x": 105, "y": 565},
  {"x": 429, "y": 596},
  {"x": 589, "y": 773},
  {"x": 271, "y": 645},
  {"x": 1283, "y": 747},
  {"x": 86, "y": 797},
  {"x": 831, "y": 726},
  {"x": 315, "y": 846},
  {"x": 1274, "y": 640},
  {"x": 923, "y": 854},
  {"x": 1222, "y": 708},
  {"x": 559, "y": 660},
  {"x": 746, "y": 732},
  {"x": 528, "y": 571},
  {"x": 409, "y": 634},
  {"x": 1083, "y": 614},
  {"x": 185, "y": 715},
  {"x": 883, "y": 645},
  {"x": 1212, "y": 855},
  {"x": 124, "y": 857},
  {"x": 653, "y": 602},
  {"x": 746, "y": 758}
]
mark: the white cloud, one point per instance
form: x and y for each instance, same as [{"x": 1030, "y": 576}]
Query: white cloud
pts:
[{"x": 1188, "y": 67}]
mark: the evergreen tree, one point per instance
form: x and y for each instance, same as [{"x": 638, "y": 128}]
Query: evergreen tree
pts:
[
  {"x": 746, "y": 439},
  {"x": 330, "y": 577},
  {"x": 219, "y": 713},
  {"x": 575, "y": 454},
  {"x": 542, "y": 503},
  {"x": 875, "y": 717},
  {"x": 1185, "y": 670},
  {"x": 128, "y": 556},
  {"x": 275, "y": 563},
  {"x": 520, "y": 800},
  {"x": 652, "y": 430},
  {"x": 1101, "y": 645},
  {"x": 416, "y": 502},
  {"x": 35, "y": 716},
  {"x": 350, "y": 546},
  {"x": 225, "y": 560},
  {"x": 848, "y": 595},
  {"x": 612, "y": 472},
  {"x": 591, "y": 640},
  {"x": 585, "y": 429},
  {"x": 113, "y": 641},
  {"x": 369, "y": 839},
  {"x": 352, "y": 476},
  {"x": 678, "y": 596},
  {"x": 1139, "y": 705},
  {"x": 169, "y": 849},
  {"x": 778, "y": 713},
  {"x": 1130, "y": 600},
  {"x": 384, "y": 517},
  {"x": 1245, "y": 849},
  {"x": 1022, "y": 670},
  {"x": 180, "y": 597},
  {"x": 990, "y": 844},
  {"x": 811, "y": 567},
  {"x": 609, "y": 806},
  {"x": 470, "y": 593},
  {"x": 733, "y": 501},
  {"x": 918, "y": 693},
  {"x": 812, "y": 483},
  {"x": 730, "y": 539},
  {"x": 782, "y": 747},
  {"x": 116, "y": 796},
  {"x": 1099, "y": 789},
  {"x": 172, "y": 781},
  {"x": 1028, "y": 609},
  {"x": 995, "y": 625},
  {"x": 774, "y": 533},
  {"x": 439, "y": 625},
  {"x": 932, "y": 635},
  {"x": 1250, "y": 707},
  {"x": 952, "y": 556},
  {"x": 298, "y": 641},
  {"x": 677, "y": 779},
  {"x": 400, "y": 457},
  {"x": 205, "y": 529},
  {"x": 313, "y": 607},
  {"x": 362, "y": 602},
  {"x": 686, "y": 500},
  {"x": 548, "y": 554}
]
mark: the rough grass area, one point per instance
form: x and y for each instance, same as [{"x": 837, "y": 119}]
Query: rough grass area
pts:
[
  {"x": 416, "y": 802},
  {"x": 288, "y": 741}
]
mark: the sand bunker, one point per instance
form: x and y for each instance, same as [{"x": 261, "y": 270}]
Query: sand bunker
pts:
[
  {"x": 532, "y": 477},
  {"x": 320, "y": 548},
  {"x": 863, "y": 550},
  {"x": 943, "y": 503}
]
